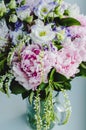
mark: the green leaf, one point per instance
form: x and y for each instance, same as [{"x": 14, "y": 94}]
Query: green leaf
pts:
[
  {"x": 51, "y": 74},
  {"x": 58, "y": 81},
  {"x": 25, "y": 94},
  {"x": 46, "y": 91},
  {"x": 67, "y": 85},
  {"x": 42, "y": 86},
  {"x": 69, "y": 21},
  {"x": 31, "y": 97},
  {"x": 59, "y": 77},
  {"x": 2, "y": 55},
  {"x": 83, "y": 65},
  {"x": 2, "y": 64},
  {"x": 82, "y": 69},
  {"x": 16, "y": 88},
  {"x": 57, "y": 85}
]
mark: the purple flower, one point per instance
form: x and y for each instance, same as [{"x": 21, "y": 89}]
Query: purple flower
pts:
[{"x": 18, "y": 25}]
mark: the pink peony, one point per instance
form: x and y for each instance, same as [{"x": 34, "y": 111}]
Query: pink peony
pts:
[
  {"x": 80, "y": 45},
  {"x": 49, "y": 60},
  {"x": 77, "y": 31},
  {"x": 68, "y": 62},
  {"x": 34, "y": 66},
  {"x": 82, "y": 20},
  {"x": 27, "y": 71},
  {"x": 78, "y": 37}
]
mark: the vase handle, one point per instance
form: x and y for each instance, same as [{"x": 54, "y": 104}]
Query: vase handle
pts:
[{"x": 63, "y": 111}]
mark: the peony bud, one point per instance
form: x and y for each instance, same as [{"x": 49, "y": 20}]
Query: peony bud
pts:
[
  {"x": 29, "y": 19},
  {"x": 12, "y": 4},
  {"x": 2, "y": 9},
  {"x": 13, "y": 18}
]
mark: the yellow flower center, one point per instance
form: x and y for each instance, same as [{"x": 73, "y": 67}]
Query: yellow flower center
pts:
[
  {"x": 45, "y": 10},
  {"x": 43, "y": 33}
]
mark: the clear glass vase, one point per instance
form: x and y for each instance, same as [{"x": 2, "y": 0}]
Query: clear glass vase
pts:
[{"x": 59, "y": 109}]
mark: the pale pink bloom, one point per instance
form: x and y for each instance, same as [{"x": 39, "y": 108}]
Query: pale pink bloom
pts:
[
  {"x": 68, "y": 62},
  {"x": 49, "y": 60},
  {"x": 77, "y": 31},
  {"x": 80, "y": 45},
  {"x": 20, "y": 75},
  {"x": 27, "y": 71},
  {"x": 78, "y": 37},
  {"x": 82, "y": 19}
]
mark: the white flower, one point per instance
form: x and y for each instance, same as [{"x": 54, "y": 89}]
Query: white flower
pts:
[
  {"x": 23, "y": 12},
  {"x": 16, "y": 36},
  {"x": 32, "y": 3},
  {"x": 63, "y": 34},
  {"x": 41, "y": 33},
  {"x": 44, "y": 8}
]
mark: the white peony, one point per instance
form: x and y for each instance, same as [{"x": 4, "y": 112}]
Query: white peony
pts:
[{"x": 41, "y": 33}]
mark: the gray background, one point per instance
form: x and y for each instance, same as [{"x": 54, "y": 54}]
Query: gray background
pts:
[{"x": 13, "y": 109}]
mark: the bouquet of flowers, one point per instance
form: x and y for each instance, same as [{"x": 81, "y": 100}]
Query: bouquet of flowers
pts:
[{"x": 42, "y": 48}]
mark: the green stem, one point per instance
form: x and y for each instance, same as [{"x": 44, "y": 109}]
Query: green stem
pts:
[
  {"x": 37, "y": 111},
  {"x": 83, "y": 65},
  {"x": 52, "y": 73}
]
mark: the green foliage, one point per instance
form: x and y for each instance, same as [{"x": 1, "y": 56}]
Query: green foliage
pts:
[
  {"x": 82, "y": 69},
  {"x": 5, "y": 82},
  {"x": 31, "y": 97},
  {"x": 69, "y": 21},
  {"x": 3, "y": 59},
  {"x": 16, "y": 88},
  {"x": 37, "y": 109},
  {"x": 26, "y": 94},
  {"x": 59, "y": 81},
  {"x": 3, "y": 63},
  {"x": 49, "y": 115},
  {"x": 58, "y": 45}
]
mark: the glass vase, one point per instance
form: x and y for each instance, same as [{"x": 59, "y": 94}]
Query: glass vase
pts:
[{"x": 59, "y": 109}]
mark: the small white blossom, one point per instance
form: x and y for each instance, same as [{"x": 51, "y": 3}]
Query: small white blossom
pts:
[
  {"x": 44, "y": 8},
  {"x": 23, "y": 12},
  {"x": 41, "y": 33},
  {"x": 16, "y": 36}
]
